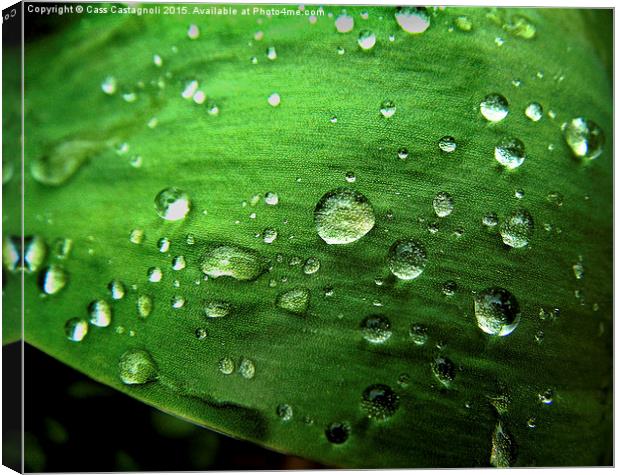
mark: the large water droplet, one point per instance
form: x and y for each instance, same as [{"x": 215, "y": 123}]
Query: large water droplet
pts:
[
  {"x": 338, "y": 432},
  {"x": 502, "y": 448},
  {"x": 233, "y": 261},
  {"x": 117, "y": 289},
  {"x": 247, "y": 369},
  {"x": 226, "y": 365},
  {"x": 294, "y": 301},
  {"x": 413, "y": 20},
  {"x": 510, "y": 152},
  {"x": 494, "y": 107},
  {"x": 407, "y": 258},
  {"x": 154, "y": 274},
  {"x": 343, "y": 216},
  {"x": 534, "y": 111},
  {"x": 53, "y": 279},
  {"x": 76, "y": 329},
  {"x": 379, "y": 401},
  {"x": 35, "y": 251},
  {"x": 376, "y": 329},
  {"x": 584, "y": 137},
  {"x": 217, "y": 308},
  {"x": 136, "y": 236},
  {"x": 284, "y": 412},
  {"x": 366, "y": 40},
  {"x": 443, "y": 204},
  {"x": 344, "y": 23},
  {"x": 312, "y": 265},
  {"x": 144, "y": 305},
  {"x": 137, "y": 367},
  {"x": 444, "y": 370},
  {"x": 172, "y": 204},
  {"x": 100, "y": 313},
  {"x": 447, "y": 144},
  {"x": 271, "y": 198},
  {"x": 517, "y": 228},
  {"x": 63, "y": 161},
  {"x": 497, "y": 311}
]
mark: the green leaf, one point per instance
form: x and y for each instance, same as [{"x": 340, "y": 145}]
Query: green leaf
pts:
[{"x": 464, "y": 398}]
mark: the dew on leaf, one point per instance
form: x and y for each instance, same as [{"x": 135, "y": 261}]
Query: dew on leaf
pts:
[
  {"x": 233, "y": 261},
  {"x": 100, "y": 313},
  {"x": 494, "y": 107},
  {"x": 343, "y": 216},
  {"x": 76, "y": 329},
  {"x": 497, "y": 311},
  {"x": 407, "y": 258},
  {"x": 53, "y": 279},
  {"x": 413, "y": 20},
  {"x": 136, "y": 366},
  {"x": 516, "y": 230},
  {"x": 379, "y": 402},
  {"x": 294, "y": 301},
  {"x": 376, "y": 329},
  {"x": 172, "y": 204}
]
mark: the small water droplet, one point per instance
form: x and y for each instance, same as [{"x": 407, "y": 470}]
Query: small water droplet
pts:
[
  {"x": 117, "y": 289},
  {"x": 499, "y": 41},
  {"x": 270, "y": 235},
  {"x": 418, "y": 334},
  {"x": 294, "y": 301},
  {"x": 413, "y": 20},
  {"x": 340, "y": 50},
  {"x": 448, "y": 288},
  {"x": 403, "y": 380},
  {"x": 217, "y": 308},
  {"x": 584, "y": 137},
  {"x": 376, "y": 329},
  {"x": 344, "y": 23},
  {"x": 531, "y": 422},
  {"x": 407, "y": 258},
  {"x": 157, "y": 60},
  {"x": 201, "y": 333},
  {"x": 233, "y": 261},
  {"x": 137, "y": 367},
  {"x": 136, "y": 236},
  {"x": 490, "y": 220},
  {"x": 177, "y": 301},
  {"x": 76, "y": 329},
  {"x": 226, "y": 365},
  {"x": 497, "y": 311},
  {"x": 271, "y": 198},
  {"x": 388, "y": 108},
  {"x": 53, "y": 279},
  {"x": 338, "y": 432},
  {"x": 130, "y": 97},
  {"x": 193, "y": 32},
  {"x": 247, "y": 369},
  {"x": 100, "y": 313},
  {"x": 172, "y": 204},
  {"x": 510, "y": 152},
  {"x": 311, "y": 266},
  {"x": 520, "y": 27},
  {"x": 534, "y": 111},
  {"x": 379, "y": 402},
  {"x": 443, "y": 204},
  {"x": 109, "y": 85},
  {"x": 343, "y": 216},
  {"x": 444, "y": 370},
  {"x": 178, "y": 263},
  {"x": 366, "y": 40},
  {"x": 350, "y": 177},
  {"x": 556, "y": 198},
  {"x": 154, "y": 274},
  {"x": 447, "y": 144},
  {"x": 546, "y": 397},
  {"x": 144, "y": 305},
  {"x": 62, "y": 248},
  {"x": 274, "y": 99},
  {"x": 463, "y": 23},
  {"x": 517, "y": 228},
  {"x": 271, "y": 53},
  {"x": 284, "y": 412},
  {"x": 578, "y": 270},
  {"x": 494, "y": 107}
]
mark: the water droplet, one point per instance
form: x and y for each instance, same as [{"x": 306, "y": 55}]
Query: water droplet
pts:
[
  {"x": 403, "y": 153},
  {"x": 193, "y": 32},
  {"x": 154, "y": 274},
  {"x": 413, "y": 20},
  {"x": 35, "y": 251},
  {"x": 403, "y": 380},
  {"x": 254, "y": 60},
  {"x": 388, "y": 108},
  {"x": 499, "y": 41},
  {"x": 578, "y": 270},
  {"x": 190, "y": 89},
  {"x": 520, "y": 27},
  {"x": 177, "y": 301},
  {"x": 233, "y": 261},
  {"x": 419, "y": 334},
  {"x": 63, "y": 161},
  {"x": 274, "y": 99},
  {"x": 53, "y": 279},
  {"x": 270, "y": 235},
  {"x": 136, "y": 161},
  {"x": 217, "y": 308},
  {"x": 447, "y": 144},
  {"x": 76, "y": 329},
  {"x": 294, "y": 301},
  {"x": 556, "y": 198},
  {"x": 144, "y": 305},
  {"x": 463, "y": 23},
  {"x": 259, "y": 35},
  {"x": 136, "y": 236},
  {"x": 449, "y": 288},
  {"x": 379, "y": 402},
  {"x": 163, "y": 244},
  {"x": 100, "y": 313},
  {"x": 366, "y": 40},
  {"x": 117, "y": 289},
  {"x": 338, "y": 432},
  {"x": 343, "y": 216},
  {"x": 584, "y": 137},
  {"x": 490, "y": 220},
  {"x": 137, "y": 367},
  {"x": 312, "y": 265},
  {"x": 172, "y": 204},
  {"x": 247, "y": 369},
  {"x": 497, "y": 311},
  {"x": 376, "y": 329},
  {"x": 531, "y": 422},
  {"x": 11, "y": 256},
  {"x": 534, "y": 111},
  {"x": 130, "y": 97},
  {"x": 226, "y": 365},
  {"x": 443, "y": 204},
  {"x": 271, "y": 53},
  {"x": 157, "y": 60},
  {"x": 350, "y": 177},
  {"x": 340, "y": 50},
  {"x": 284, "y": 412},
  {"x": 444, "y": 370},
  {"x": 109, "y": 85},
  {"x": 502, "y": 448},
  {"x": 271, "y": 198},
  {"x": 517, "y": 228},
  {"x": 494, "y": 107},
  {"x": 407, "y": 258},
  {"x": 510, "y": 152},
  {"x": 62, "y": 247},
  {"x": 178, "y": 263},
  {"x": 201, "y": 333},
  {"x": 344, "y": 23},
  {"x": 199, "y": 97}
]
